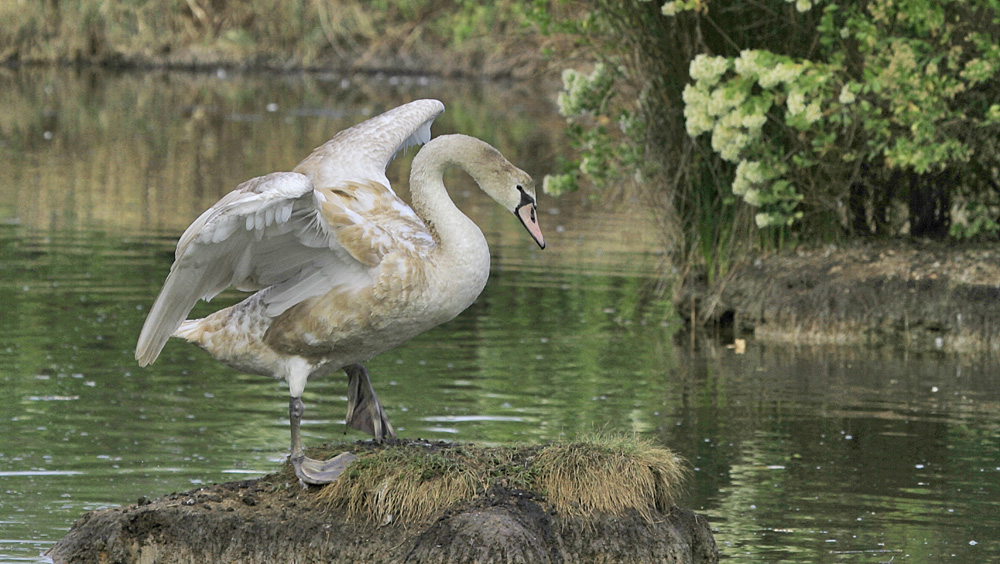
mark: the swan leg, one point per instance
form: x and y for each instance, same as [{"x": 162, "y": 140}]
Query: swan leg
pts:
[
  {"x": 364, "y": 412},
  {"x": 316, "y": 472}
]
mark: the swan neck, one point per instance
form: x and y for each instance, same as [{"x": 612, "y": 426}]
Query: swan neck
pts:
[{"x": 430, "y": 199}]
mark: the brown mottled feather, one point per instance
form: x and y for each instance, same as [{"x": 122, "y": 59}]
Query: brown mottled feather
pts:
[
  {"x": 381, "y": 232},
  {"x": 371, "y": 221}
]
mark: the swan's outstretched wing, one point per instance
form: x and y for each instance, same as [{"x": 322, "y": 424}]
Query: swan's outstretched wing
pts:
[
  {"x": 277, "y": 232},
  {"x": 362, "y": 153},
  {"x": 249, "y": 239}
]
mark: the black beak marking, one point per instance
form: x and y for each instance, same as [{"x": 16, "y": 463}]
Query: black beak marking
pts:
[{"x": 525, "y": 201}]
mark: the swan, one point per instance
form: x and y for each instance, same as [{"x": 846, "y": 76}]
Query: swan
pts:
[{"x": 341, "y": 268}]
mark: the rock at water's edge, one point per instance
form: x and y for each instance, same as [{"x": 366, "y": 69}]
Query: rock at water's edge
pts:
[{"x": 270, "y": 520}]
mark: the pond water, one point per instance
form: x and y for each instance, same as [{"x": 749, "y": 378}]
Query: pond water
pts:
[{"x": 798, "y": 454}]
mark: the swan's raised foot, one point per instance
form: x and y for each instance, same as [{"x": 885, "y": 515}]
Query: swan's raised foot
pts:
[
  {"x": 319, "y": 472},
  {"x": 364, "y": 412}
]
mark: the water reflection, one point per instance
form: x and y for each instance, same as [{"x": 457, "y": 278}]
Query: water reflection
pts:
[
  {"x": 799, "y": 455},
  {"x": 833, "y": 455}
]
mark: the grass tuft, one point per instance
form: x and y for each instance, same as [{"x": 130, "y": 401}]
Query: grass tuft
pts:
[
  {"x": 402, "y": 484},
  {"x": 610, "y": 474},
  {"x": 596, "y": 474}
]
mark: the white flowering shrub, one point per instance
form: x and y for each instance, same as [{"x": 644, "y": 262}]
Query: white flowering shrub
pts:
[
  {"x": 732, "y": 99},
  {"x": 899, "y": 84},
  {"x": 776, "y": 121},
  {"x": 585, "y": 102}
]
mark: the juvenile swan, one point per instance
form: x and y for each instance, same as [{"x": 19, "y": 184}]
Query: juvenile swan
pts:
[{"x": 342, "y": 269}]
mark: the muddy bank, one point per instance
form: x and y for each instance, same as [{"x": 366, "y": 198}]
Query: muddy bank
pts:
[
  {"x": 917, "y": 296},
  {"x": 275, "y": 519}
]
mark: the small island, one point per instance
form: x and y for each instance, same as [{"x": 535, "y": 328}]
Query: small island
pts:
[{"x": 598, "y": 499}]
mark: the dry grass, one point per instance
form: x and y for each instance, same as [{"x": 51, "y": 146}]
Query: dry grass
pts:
[
  {"x": 610, "y": 474},
  {"x": 598, "y": 474},
  {"x": 449, "y": 36},
  {"x": 402, "y": 484}
]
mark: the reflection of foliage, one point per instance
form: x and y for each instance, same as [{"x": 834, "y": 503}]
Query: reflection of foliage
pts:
[
  {"x": 772, "y": 434},
  {"x": 210, "y": 135},
  {"x": 587, "y": 348}
]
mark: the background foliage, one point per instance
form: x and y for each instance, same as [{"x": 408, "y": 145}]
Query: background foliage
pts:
[
  {"x": 427, "y": 36},
  {"x": 752, "y": 123}
]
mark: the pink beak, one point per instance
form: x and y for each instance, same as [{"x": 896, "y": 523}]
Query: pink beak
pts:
[{"x": 526, "y": 213}]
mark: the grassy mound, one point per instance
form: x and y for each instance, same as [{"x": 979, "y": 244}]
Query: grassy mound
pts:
[{"x": 408, "y": 482}]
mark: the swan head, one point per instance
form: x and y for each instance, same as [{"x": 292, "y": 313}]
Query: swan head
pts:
[
  {"x": 527, "y": 211},
  {"x": 511, "y": 187}
]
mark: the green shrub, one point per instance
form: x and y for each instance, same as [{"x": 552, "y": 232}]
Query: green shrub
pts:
[{"x": 819, "y": 119}]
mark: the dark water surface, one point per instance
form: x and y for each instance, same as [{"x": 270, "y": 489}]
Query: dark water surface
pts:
[{"x": 798, "y": 455}]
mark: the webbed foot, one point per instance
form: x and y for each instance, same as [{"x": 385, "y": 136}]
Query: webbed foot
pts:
[
  {"x": 364, "y": 412},
  {"x": 319, "y": 472}
]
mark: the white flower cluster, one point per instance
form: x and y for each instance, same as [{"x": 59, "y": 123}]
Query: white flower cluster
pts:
[
  {"x": 696, "y": 115},
  {"x": 747, "y": 63},
  {"x": 707, "y": 70},
  {"x": 557, "y": 184},
  {"x": 767, "y": 219},
  {"x": 721, "y": 112},
  {"x": 729, "y": 142},
  {"x": 754, "y": 123},
  {"x": 726, "y": 106},
  {"x": 674, "y": 7},
  {"x": 721, "y": 109},
  {"x": 813, "y": 112},
  {"x": 801, "y": 5},
  {"x": 846, "y": 96},
  {"x": 766, "y": 73},
  {"x": 582, "y": 93},
  {"x": 781, "y": 73},
  {"x": 752, "y": 197},
  {"x": 567, "y": 99},
  {"x": 748, "y": 173},
  {"x": 796, "y": 103}
]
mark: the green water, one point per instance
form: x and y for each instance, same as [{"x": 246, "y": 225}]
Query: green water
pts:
[{"x": 798, "y": 455}]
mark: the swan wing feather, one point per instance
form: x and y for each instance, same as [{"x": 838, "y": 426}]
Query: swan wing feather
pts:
[
  {"x": 362, "y": 153},
  {"x": 268, "y": 233}
]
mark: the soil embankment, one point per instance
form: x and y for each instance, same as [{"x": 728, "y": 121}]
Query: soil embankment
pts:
[{"x": 917, "y": 296}]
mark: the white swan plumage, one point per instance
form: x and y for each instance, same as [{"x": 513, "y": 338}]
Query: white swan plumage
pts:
[{"x": 341, "y": 268}]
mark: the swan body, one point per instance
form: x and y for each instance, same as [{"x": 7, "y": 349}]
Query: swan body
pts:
[{"x": 341, "y": 268}]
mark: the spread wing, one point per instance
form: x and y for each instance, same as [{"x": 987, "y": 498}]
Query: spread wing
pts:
[
  {"x": 361, "y": 153},
  {"x": 277, "y": 232}
]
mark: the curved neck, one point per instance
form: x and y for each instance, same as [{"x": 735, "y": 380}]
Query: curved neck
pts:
[{"x": 450, "y": 228}]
